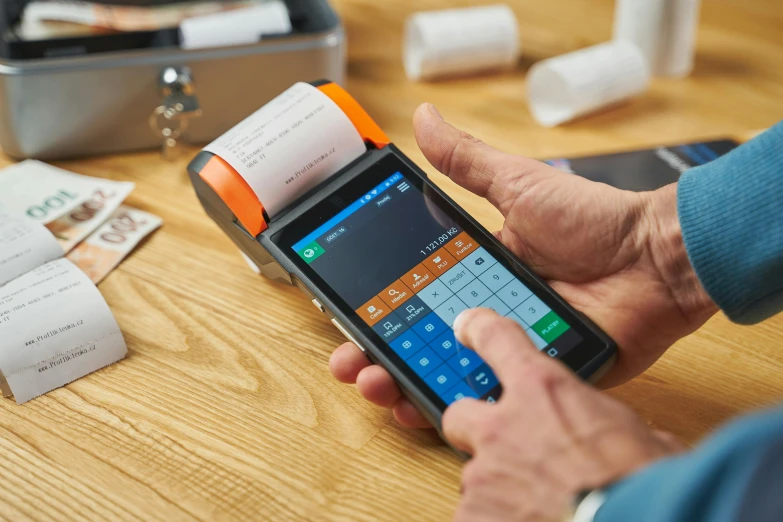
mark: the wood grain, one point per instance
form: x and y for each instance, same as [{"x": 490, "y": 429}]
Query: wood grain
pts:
[{"x": 224, "y": 408}]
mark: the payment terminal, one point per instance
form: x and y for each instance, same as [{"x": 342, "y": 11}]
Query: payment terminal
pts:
[{"x": 313, "y": 193}]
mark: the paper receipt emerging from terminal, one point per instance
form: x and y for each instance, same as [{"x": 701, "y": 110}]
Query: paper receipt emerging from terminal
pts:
[
  {"x": 55, "y": 327},
  {"x": 282, "y": 150}
]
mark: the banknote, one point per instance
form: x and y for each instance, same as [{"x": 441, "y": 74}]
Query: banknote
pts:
[
  {"x": 105, "y": 248},
  {"x": 45, "y": 193},
  {"x": 80, "y": 222},
  {"x": 127, "y": 18},
  {"x": 33, "y": 30}
]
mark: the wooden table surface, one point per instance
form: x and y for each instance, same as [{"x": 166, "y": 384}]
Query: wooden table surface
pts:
[{"x": 225, "y": 409}]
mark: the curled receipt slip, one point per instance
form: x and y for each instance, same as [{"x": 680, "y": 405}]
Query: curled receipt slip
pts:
[
  {"x": 105, "y": 248},
  {"x": 460, "y": 41},
  {"x": 565, "y": 87},
  {"x": 290, "y": 145},
  {"x": 44, "y": 193},
  {"x": 55, "y": 327},
  {"x": 24, "y": 245}
]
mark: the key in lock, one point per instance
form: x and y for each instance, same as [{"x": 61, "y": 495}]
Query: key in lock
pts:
[{"x": 170, "y": 120}]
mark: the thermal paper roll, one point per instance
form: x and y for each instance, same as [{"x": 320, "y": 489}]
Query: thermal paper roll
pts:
[
  {"x": 641, "y": 23},
  {"x": 460, "y": 41},
  {"x": 239, "y": 27},
  {"x": 678, "y": 44},
  {"x": 664, "y": 30},
  {"x": 567, "y": 86}
]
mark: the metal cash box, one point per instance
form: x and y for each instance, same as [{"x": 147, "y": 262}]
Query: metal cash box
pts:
[{"x": 106, "y": 94}]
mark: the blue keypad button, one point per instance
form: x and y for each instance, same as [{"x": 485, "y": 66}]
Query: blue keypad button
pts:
[
  {"x": 493, "y": 303},
  {"x": 532, "y": 310},
  {"x": 424, "y": 362},
  {"x": 430, "y": 327},
  {"x": 412, "y": 310},
  {"x": 449, "y": 310},
  {"x": 390, "y": 327},
  {"x": 442, "y": 379},
  {"x": 482, "y": 380},
  {"x": 407, "y": 344},
  {"x": 474, "y": 294},
  {"x": 456, "y": 278},
  {"x": 479, "y": 261},
  {"x": 460, "y": 391},
  {"x": 445, "y": 345},
  {"x": 465, "y": 361},
  {"x": 496, "y": 277},
  {"x": 514, "y": 293},
  {"x": 434, "y": 294}
]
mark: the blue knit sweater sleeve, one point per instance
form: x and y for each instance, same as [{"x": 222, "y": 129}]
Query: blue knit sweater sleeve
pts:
[
  {"x": 731, "y": 213},
  {"x": 736, "y": 476}
]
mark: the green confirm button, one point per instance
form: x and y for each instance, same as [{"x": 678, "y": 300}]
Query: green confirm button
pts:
[
  {"x": 311, "y": 252},
  {"x": 550, "y": 327}
]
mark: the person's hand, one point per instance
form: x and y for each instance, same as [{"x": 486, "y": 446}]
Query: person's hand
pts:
[
  {"x": 549, "y": 437},
  {"x": 617, "y": 256}
]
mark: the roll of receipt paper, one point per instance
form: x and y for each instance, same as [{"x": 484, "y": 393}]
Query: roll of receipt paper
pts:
[
  {"x": 677, "y": 52},
  {"x": 574, "y": 84},
  {"x": 460, "y": 41},
  {"x": 641, "y": 23},
  {"x": 664, "y": 30},
  {"x": 237, "y": 27}
]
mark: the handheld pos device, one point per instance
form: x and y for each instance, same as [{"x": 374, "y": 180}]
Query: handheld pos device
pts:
[{"x": 314, "y": 194}]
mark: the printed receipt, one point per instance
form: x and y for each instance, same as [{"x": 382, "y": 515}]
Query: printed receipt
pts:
[
  {"x": 54, "y": 328},
  {"x": 24, "y": 245},
  {"x": 291, "y": 144}
]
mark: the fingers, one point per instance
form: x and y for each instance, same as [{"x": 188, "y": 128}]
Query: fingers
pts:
[
  {"x": 346, "y": 362},
  {"x": 377, "y": 386},
  {"x": 407, "y": 415},
  {"x": 499, "y": 341},
  {"x": 469, "y": 162},
  {"x": 349, "y": 365},
  {"x": 462, "y": 421}
]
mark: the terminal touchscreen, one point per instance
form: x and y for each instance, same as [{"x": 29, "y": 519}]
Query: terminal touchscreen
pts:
[{"x": 402, "y": 262}]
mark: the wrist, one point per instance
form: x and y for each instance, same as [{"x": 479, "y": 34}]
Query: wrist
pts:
[{"x": 670, "y": 257}]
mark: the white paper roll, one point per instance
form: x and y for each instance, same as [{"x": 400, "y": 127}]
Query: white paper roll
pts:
[
  {"x": 664, "y": 30},
  {"x": 562, "y": 88},
  {"x": 238, "y": 27},
  {"x": 678, "y": 45},
  {"x": 641, "y": 22},
  {"x": 460, "y": 41}
]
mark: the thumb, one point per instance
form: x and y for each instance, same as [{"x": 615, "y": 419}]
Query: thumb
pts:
[{"x": 471, "y": 163}]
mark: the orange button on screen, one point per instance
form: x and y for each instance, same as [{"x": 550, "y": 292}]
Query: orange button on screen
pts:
[
  {"x": 418, "y": 278},
  {"x": 373, "y": 310},
  {"x": 461, "y": 246},
  {"x": 396, "y": 294},
  {"x": 440, "y": 262}
]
